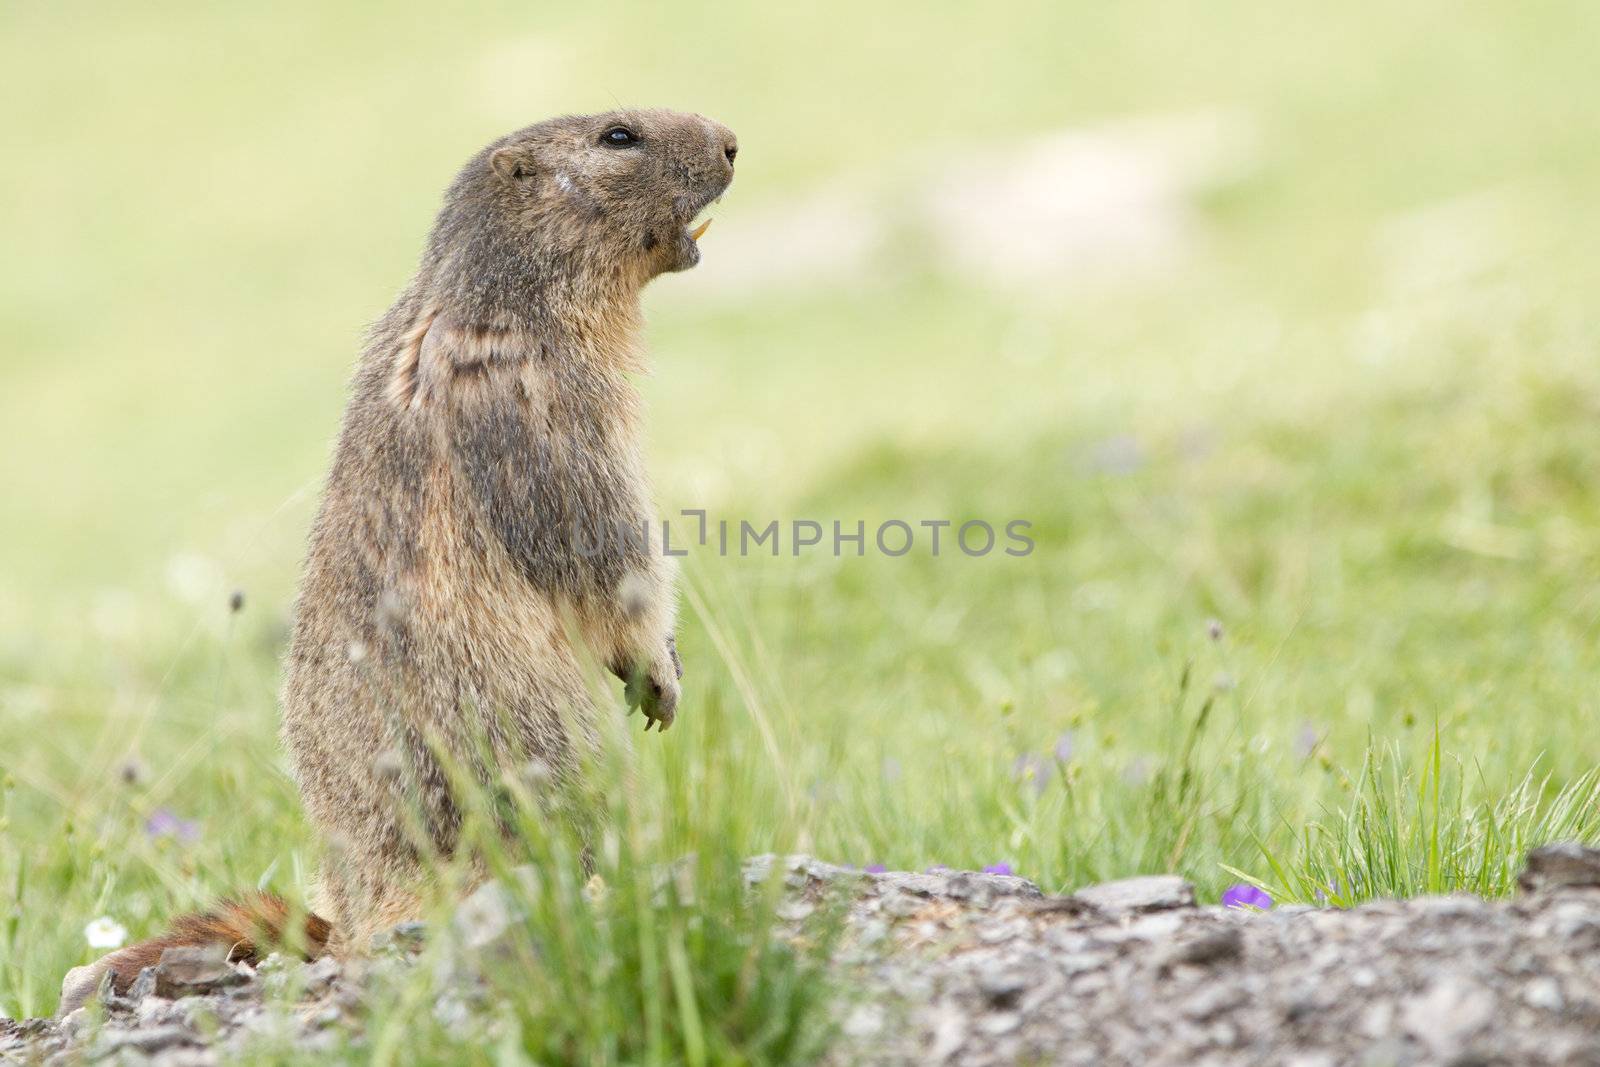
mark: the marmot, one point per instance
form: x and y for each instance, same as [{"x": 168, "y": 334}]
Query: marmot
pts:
[{"x": 464, "y": 566}]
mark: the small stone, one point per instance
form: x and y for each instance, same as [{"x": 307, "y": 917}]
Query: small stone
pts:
[
  {"x": 326, "y": 1016},
  {"x": 864, "y": 1020},
  {"x": 76, "y": 1023},
  {"x": 185, "y": 1056},
  {"x": 1377, "y": 1019},
  {"x": 1224, "y": 1034},
  {"x": 405, "y": 939},
  {"x": 485, "y": 916},
  {"x": 275, "y": 963},
  {"x": 794, "y": 910},
  {"x": 1544, "y": 994},
  {"x": 143, "y": 986},
  {"x": 1072, "y": 963},
  {"x": 1158, "y": 892},
  {"x": 1310, "y": 1059},
  {"x": 1001, "y": 985},
  {"x": 1387, "y": 1052},
  {"x": 900, "y": 904},
  {"x": 872, "y": 932},
  {"x": 1209, "y": 949},
  {"x": 320, "y": 975},
  {"x": 1575, "y": 921},
  {"x": 1446, "y": 1014},
  {"x": 982, "y": 889},
  {"x": 758, "y": 869},
  {"x": 1213, "y": 1000},
  {"x": 949, "y": 1034},
  {"x": 152, "y": 1008},
  {"x": 191, "y": 970},
  {"x": 148, "y": 1039},
  {"x": 1088, "y": 983},
  {"x": 1565, "y": 864},
  {"x": 1152, "y": 926}
]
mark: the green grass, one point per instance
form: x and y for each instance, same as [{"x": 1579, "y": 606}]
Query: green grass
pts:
[{"x": 1357, "y": 430}]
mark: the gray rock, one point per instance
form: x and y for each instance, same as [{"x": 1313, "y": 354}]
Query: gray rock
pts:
[
  {"x": 949, "y": 1032},
  {"x": 1157, "y": 892},
  {"x": 484, "y": 916},
  {"x": 192, "y": 970},
  {"x": 864, "y": 1020},
  {"x": 1079, "y": 962},
  {"x": 144, "y": 1039},
  {"x": 320, "y": 975},
  {"x": 1001, "y": 984},
  {"x": 185, "y": 1056},
  {"x": 76, "y": 1023},
  {"x": 143, "y": 986},
  {"x": 152, "y": 1009},
  {"x": 1447, "y": 1015},
  {"x": 1212, "y": 947},
  {"x": 902, "y": 905},
  {"x": 1133, "y": 972},
  {"x": 1560, "y": 865},
  {"x": 1544, "y": 994},
  {"x": 794, "y": 909},
  {"x": 406, "y": 939}
]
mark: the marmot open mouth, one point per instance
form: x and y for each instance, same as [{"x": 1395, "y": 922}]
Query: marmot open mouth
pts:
[
  {"x": 688, "y": 238},
  {"x": 692, "y": 231}
]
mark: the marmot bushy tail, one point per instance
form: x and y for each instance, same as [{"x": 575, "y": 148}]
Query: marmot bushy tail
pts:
[
  {"x": 248, "y": 927},
  {"x": 478, "y": 542}
]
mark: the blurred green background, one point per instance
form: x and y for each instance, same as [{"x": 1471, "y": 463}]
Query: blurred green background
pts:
[{"x": 1280, "y": 315}]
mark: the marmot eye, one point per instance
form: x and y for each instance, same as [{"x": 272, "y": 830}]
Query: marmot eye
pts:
[{"x": 618, "y": 137}]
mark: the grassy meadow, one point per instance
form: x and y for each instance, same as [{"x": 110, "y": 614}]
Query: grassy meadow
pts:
[{"x": 1310, "y": 445}]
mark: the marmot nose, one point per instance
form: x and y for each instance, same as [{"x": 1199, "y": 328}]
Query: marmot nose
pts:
[{"x": 730, "y": 148}]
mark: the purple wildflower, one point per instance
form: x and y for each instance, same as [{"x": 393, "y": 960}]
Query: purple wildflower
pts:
[
  {"x": 1064, "y": 746},
  {"x": 163, "y": 822},
  {"x": 998, "y": 868},
  {"x": 875, "y": 868},
  {"x": 1246, "y": 896}
]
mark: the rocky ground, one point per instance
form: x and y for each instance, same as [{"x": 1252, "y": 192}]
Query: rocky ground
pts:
[
  {"x": 960, "y": 967},
  {"x": 983, "y": 969}
]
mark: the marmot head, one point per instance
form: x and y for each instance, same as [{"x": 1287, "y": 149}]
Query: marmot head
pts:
[{"x": 588, "y": 197}]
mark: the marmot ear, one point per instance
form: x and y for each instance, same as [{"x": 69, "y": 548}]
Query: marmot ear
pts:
[{"x": 514, "y": 163}]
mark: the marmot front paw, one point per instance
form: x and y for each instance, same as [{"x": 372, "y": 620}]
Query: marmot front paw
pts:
[
  {"x": 655, "y": 691},
  {"x": 654, "y": 688}
]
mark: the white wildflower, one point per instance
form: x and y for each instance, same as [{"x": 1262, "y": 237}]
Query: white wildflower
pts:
[{"x": 105, "y": 932}]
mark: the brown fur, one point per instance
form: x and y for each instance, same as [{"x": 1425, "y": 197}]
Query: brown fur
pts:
[
  {"x": 249, "y": 927},
  {"x": 444, "y": 602}
]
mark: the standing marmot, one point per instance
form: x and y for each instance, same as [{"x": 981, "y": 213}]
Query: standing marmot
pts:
[{"x": 465, "y": 564}]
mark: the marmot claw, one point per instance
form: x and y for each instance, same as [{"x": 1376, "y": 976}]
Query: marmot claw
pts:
[{"x": 654, "y": 690}]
